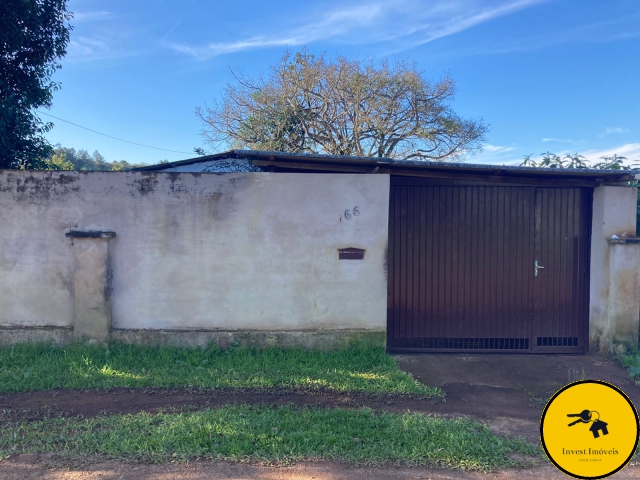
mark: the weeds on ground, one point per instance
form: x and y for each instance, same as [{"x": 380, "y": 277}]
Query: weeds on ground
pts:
[
  {"x": 632, "y": 363},
  {"x": 362, "y": 368},
  {"x": 283, "y": 435},
  {"x": 575, "y": 375}
]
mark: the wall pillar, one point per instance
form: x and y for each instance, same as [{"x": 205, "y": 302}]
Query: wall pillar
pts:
[
  {"x": 92, "y": 284},
  {"x": 614, "y": 302},
  {"x": 624, "y": 292}
]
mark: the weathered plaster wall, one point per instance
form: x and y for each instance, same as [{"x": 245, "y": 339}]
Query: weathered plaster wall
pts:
[
  {"x": 92, "y": 288},
  {"x": 614, "y": 213},
  {"x": 624, "y": 292},
  {"x": 233, "y": 251}
]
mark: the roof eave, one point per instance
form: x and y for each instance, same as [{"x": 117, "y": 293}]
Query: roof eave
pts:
[
  {"x": 322, "y": 162},
  {"x": 189, "y": 161}
]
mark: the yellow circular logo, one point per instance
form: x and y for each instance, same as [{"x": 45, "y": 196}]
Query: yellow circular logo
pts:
[{"x": 589, "y": 429}]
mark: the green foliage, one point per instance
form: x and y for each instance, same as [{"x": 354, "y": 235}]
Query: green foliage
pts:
[
  {"x": 283, "y": 434},
  {"x": 58, "y": 161},
  {"x": 607, "y": 162},
  {"x": 81, "y": 160},
  {"x": 279, "y": 132},
  {"x": 632, "y": 364},
  {"x": 362, "y": 369},
  {"x": 551, "y": 160},
  {"x": 117, "y": 166},
  {"x": 613, "y": 162},
  {"x": 33, "y": 37}
]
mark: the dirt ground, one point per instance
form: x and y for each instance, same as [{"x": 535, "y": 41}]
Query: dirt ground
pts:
[
  {"x": 33, "y": 405},
  {"x": 35, "y": 467},
  {"x": 507, "y": 392}
]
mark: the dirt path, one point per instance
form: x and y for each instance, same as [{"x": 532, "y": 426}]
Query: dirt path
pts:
[
  {"x": 34, "y": 405},
  {"x": 509, "y": 392},
  {"x": 35, "y": 467}
]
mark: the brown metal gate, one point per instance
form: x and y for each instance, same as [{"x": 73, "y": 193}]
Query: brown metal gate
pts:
[{"x": 461, "y": 265}]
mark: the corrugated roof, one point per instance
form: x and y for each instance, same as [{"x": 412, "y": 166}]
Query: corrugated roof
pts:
[{"x": 328, "y": 163}]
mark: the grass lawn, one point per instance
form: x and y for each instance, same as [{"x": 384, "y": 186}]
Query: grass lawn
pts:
[
  {"x": 363, "y": 369},
  {"x": 261, "y": 433}
]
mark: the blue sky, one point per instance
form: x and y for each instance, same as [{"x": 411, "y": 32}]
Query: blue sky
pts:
[{"x": 557, "y": 75}]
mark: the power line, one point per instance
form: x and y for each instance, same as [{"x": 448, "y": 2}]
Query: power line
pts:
[{"x": 115, "y": 138}]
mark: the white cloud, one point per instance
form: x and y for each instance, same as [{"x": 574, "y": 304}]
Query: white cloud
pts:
[
  {"x": 497, "y": 149},
  {"x": 331, "y": 25},
  {"x": 91, "y": 16},
  {"x": 466, "y": 18},
  {"x": 404, "y": 24},
  {"x": 495, "y": 155},
  {"x": 84, "y": 47},
  {"x": 558, "y": 140},
  {"x": 615, "y": 130},
  {"x": 97, "y": 48},
  {"x": 484, "y": 160},
  {"x": 612, "y": 130},
  {"x": 101, "y": 35},
  {"x": 629, "y": 150},
  {"x": 621, "y": 28}
]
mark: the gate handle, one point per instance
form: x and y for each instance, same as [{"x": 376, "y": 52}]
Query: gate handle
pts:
[{"x": 537, "y": 267}]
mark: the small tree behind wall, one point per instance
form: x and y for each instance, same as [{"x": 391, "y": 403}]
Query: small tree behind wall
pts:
[{"x": 342, "y": 106}]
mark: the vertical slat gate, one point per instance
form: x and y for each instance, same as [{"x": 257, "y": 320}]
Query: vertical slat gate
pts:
[
  {"x": 461, "y": 268},
  {"x": 562, "y": 248}
]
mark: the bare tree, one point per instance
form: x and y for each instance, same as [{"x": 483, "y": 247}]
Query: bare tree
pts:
[{"x": 342, "y": 107}]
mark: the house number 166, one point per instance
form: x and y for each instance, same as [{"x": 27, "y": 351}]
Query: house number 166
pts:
[{"x": 348, "y": 213}]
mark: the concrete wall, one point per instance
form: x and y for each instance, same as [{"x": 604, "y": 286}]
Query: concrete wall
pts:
[
  {"x": 236, "y": 251},
  {"x": 613, "y": 311},
  {"x": 219, "y": 256},
  {"x": 624, "y": 292}
]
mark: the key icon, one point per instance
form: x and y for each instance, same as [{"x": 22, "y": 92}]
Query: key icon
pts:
[
  {"x": 584, "y": 417},
  {"x": 588, "y": 416}
]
